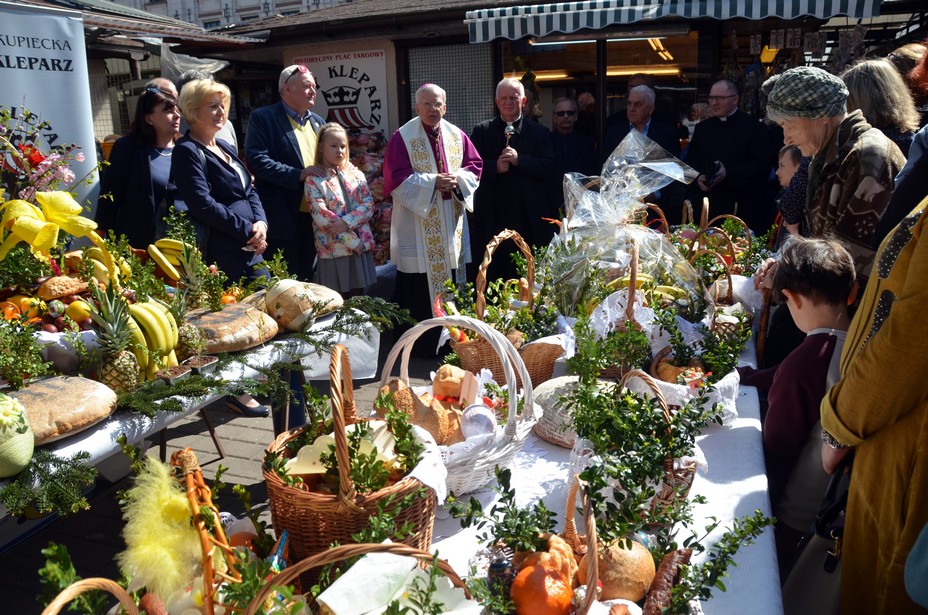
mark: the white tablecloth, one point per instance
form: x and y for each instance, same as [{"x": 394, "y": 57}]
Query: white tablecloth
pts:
[{"x": 735, "y": 486}]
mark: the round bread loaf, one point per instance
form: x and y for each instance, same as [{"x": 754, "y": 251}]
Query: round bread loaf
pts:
[
  {"x": 236, "y": 327},
  {"x": 63, "y": 405},
  {"x": 291, "y": 302},
  {"x": 624, "y": 573},
  {"x": 447, "y": 381}
]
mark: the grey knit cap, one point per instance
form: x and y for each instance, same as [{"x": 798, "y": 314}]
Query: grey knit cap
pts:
[{"x": 807, "y": 92}]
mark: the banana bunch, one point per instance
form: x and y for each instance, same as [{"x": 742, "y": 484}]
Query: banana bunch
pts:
[
  {"x": 154, "y": 336},
  {"x": 167, "y": 255},
  {"x": 97, "y": 258}
]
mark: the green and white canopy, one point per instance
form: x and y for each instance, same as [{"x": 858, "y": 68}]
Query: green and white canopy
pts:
[{"x": 516, "y": 22}]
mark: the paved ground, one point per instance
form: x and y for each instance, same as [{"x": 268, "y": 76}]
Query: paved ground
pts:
[{"x": 93, "y": 537}]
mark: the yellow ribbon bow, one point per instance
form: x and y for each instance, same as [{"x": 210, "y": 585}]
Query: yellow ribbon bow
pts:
[{"x": 23, "y": 221}]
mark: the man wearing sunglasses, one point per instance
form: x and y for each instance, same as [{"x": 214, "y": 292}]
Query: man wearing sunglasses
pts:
[
  {"x": 732, "y": 152},
  {"x": 573, "y": 150},
  {"x": 280, "y": 145}
]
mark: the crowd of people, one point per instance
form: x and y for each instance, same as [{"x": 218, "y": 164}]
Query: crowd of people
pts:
[{"x": 847, "y": 152}]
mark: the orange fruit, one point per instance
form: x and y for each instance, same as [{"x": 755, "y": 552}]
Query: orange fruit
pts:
[
  {"x": 9, "y": 310},
  {"x": 538, "y": 590},
  {"x": 227, "y": 299}
]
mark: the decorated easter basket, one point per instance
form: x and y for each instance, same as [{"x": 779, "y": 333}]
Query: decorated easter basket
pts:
[
  {"x": 539, "y": 357},
  {"x": 471, "y": 463},
  {"x": 317, "y": 520},
  {"x": 342, "y": 552},
  {"x": 678, "y": 473}
]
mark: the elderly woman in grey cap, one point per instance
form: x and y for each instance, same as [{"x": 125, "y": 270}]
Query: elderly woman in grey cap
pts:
[{"x": 853, "y": 165}]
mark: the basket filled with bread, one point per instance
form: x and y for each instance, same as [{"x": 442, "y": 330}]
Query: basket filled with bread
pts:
[
  {"x": 325, "y": 481},
  {"x": 469, "y": 455}
]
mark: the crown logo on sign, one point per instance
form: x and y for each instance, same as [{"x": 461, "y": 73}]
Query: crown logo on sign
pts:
[{"x": 341, "y": 96}]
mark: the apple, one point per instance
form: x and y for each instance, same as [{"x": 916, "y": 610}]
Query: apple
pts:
[
  {"x": 86, "y": 324},
  {"x": 49, "y": 328}
]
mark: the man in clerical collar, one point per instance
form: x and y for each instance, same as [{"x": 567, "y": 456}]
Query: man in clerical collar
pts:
[
  {"x": 518, "y": 163},
  {"x": 281, "y": 146},
  {"x": 431, "y": 169},
  {"x": 731, "y": 151}
]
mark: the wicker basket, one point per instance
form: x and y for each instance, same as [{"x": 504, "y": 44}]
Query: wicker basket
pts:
[
  {"x": 678, "y": 477},
  {"x": 477, "y": 354},
  {"x": 341, "y": 552},
  {"x": 583, "y": 544},
  {"x": 471, "y": 463},
  {"x": 77, "y": 588},
  {"x": 316, "y": 520}
]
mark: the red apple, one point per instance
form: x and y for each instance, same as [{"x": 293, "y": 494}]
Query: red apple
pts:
[{"x": 49, "y": 328}]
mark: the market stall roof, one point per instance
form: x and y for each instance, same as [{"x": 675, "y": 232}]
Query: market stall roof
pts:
[
  {"x": 115, "y": 19},
  {"x": 516, "y": 22}
]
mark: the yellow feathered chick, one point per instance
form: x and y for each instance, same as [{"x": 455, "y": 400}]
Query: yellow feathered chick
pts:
[{"x": 162, "y": 547}]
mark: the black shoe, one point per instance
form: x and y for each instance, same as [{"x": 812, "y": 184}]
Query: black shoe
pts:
[{"x": 239, "y": 408}]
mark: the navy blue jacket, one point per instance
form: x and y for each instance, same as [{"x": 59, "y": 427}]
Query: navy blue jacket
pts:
[
  {"x": 274, "y": 158},
  {"x": 218, "y": 200},
  {"x": 127, "y": 204},
  {"x": 662, "y": 134}
]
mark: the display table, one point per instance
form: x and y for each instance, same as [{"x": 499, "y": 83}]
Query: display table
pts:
[{"x": 735, "y": 485}]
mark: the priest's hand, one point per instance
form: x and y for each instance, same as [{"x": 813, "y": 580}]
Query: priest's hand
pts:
[
  {"x": 502, "y": 165},
  {"x": 719, "y": 176},
  {"x": 446, "y": 182},
  {"x": 510, "y": 155}
]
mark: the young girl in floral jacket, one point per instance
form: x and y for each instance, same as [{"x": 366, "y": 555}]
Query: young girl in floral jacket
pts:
[{"x": 341, "y": 206}]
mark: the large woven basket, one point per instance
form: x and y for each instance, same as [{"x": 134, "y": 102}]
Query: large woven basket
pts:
[
  {"x": 317, "y": 520},
  {"x": 341, "y": 552},
  {"x": 678, "y": 475},
  {"x": 477, "y": 354},
  {"x": 471, "y": 463}
]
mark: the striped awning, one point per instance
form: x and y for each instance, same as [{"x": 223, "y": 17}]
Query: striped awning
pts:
[{"x": 517, "y": 22}]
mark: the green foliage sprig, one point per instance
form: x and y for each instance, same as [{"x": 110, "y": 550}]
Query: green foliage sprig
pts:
[
  {"x": 21, "y": 269},
  {"x": 626, "y": 347},
  {"x": 20, "y": 356},
  {"x": 519, "y": 528},
  {"x": 58, "y": 573},
  {"x": 255, "y": 573},
  {"x": 143, "y": 280},
  {"x": 698, "y": 581},
  {"x": 50, "y": 484},
  {"x": 421, "y": 596},
  {"x": 495, "y": 600}
]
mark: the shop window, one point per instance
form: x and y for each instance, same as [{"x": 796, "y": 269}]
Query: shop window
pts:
[{"x": 465, "y": 72}]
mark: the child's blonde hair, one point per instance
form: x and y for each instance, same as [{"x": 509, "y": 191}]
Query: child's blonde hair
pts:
[{"x": 329, "y": 128}]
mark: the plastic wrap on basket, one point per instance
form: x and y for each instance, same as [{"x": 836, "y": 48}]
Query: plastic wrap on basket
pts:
[{"x": 471, "y": 463}]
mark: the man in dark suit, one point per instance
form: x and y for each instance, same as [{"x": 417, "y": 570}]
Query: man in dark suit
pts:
[
  {"x": 518, "y": 161},
  {"x": 640, "y": 112},
  {"x": 280, "y": 145},
  {"x": 731, "y": 151}
]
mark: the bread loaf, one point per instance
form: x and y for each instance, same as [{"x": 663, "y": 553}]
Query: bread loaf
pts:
[
  {"x": 291, "y": 302},
  {"x": 441, "y": 421},
  {"x": 59, "y": 286},
  {"x": 236, "y": 327},
  {"x": 447, "y": 381},
  {"x": 63, "y": 405}
]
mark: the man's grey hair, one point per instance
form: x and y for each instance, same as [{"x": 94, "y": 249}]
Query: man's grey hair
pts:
[
  {"x": 647, "y": 92},
  {"x": 431, "y": 87},
  {"x": 565, "y": 99},
  {"x": 511, "y": 82},
  {"x": 189, "y": 75}
]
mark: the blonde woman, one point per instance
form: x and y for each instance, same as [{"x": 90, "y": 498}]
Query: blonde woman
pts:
[{"x": 876, "y": 88}]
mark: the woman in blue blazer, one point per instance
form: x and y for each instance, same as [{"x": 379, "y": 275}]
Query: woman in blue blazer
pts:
[
  {"x": 216, "y": 186},
  {"x": 134, "y": 193}
]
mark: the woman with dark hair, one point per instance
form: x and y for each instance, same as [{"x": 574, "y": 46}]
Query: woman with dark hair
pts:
[{"x": 134, "y": 191}]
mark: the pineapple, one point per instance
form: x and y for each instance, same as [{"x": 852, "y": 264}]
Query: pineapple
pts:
[
  {"x": 120, "y": 368},
  {"x": 190, "y": 340}
]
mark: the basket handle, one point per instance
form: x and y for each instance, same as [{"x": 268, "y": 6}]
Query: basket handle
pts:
[
  {"x": 747, "y": 231},
  {"x": 665, "y": 226},
  {"x": 481, "y": 285},
  {"x": 729, "y": 296},
  {"x": 335, "y": 554},
  {"x": 632, "y": 284},
  {"x": 718, "y": 231},
  {"x": 704, "y": 216},
  {"x": 761, "y": 342},
  {"x": 656, "y": 390},
  {"x": 77, "y": 588},
  {"x": 509, "y": 356},
  {"x": 572, "y": 537},
  {"x": 343, "y": 414}
]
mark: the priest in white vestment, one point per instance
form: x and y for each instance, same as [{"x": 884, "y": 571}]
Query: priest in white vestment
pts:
[{"x": 431, "y": 169}]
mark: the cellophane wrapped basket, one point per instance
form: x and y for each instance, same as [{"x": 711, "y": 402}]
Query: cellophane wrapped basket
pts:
[
  {"x": 317, "y": 520},
  {"x": 539, "y": 357},
  {"x": 471, "y": 463}
]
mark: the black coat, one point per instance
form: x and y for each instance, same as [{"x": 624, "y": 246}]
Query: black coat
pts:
[
  {"x": 127, "y": 203},
  {"x": 218, "y": 200},
  {"x": 518, "y": 199},
  {"x": 742, "y": 144},
  {"x": 662, "y": 134}
]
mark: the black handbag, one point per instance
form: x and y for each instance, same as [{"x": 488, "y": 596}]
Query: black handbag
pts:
[{"x": 813, "y": 583}]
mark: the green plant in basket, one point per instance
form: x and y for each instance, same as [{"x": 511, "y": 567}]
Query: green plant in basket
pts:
[
  {"x": 707, "y": 361},
  {"x": 624, "y": 347}
]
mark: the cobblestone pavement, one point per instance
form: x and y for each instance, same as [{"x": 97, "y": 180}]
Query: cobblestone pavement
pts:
[{"x": 93, "y": 537}]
